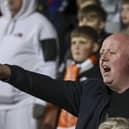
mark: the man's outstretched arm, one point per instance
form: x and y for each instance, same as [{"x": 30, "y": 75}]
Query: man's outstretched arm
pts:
[
  {"x": 62, "y": 93},
  {"x": 35, "y": 84}
]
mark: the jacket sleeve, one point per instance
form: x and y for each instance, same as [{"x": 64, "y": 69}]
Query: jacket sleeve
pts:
[
  {"x": 65, "y": 94},
  {"x": 48, "y": 41}
]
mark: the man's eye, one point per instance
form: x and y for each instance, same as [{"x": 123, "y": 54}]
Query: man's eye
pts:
[
  {"x": 100, "y": 53},
  {"x": 112, "y": 52}
]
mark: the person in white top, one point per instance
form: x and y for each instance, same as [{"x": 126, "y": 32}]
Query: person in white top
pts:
[{"x": 29, "y": 40}]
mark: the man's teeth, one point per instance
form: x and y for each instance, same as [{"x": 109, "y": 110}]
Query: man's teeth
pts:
[{"x": 106, "y": 69}]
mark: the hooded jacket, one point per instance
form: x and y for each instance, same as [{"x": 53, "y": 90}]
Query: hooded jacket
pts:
[{"x": 24, "y": 41}]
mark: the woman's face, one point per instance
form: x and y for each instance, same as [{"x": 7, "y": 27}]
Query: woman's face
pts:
[{"x": 125, "y": 14}]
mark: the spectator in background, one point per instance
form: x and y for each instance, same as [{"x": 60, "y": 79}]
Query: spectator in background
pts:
[
  {"x": 84, "y": 43},
  {"x": 59, "y": 11},
  {"x": 115, "y": 123},
  {"x": 94, "y": 16},
  {"x": 29, "y": 40},
  {"x": 112, "y": 8},
  {"x": 82, "y": 65},
  {"x": 125, "y": 16}
]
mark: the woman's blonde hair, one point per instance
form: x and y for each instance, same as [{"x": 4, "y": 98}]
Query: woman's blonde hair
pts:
[{"x": 115, "y": 123}]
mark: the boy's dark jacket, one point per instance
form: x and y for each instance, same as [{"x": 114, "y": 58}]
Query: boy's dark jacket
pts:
[{"x": 88, "y": 99}]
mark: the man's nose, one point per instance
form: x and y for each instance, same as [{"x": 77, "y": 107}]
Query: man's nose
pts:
[{"x": 104, "y": 56}]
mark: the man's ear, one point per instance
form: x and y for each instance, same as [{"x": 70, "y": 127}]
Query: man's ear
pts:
[{"x": 96, "y": 47}]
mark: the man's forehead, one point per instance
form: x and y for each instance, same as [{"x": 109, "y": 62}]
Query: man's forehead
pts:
[
  {"x": 108, "y": 45},
  {"x": 118, "y": 39}
]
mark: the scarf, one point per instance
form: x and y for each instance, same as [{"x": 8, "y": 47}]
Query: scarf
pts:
[{"x": 67, "y": 120}]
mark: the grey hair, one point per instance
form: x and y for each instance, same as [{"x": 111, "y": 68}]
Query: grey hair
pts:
[{"x": 115, "y": 123}]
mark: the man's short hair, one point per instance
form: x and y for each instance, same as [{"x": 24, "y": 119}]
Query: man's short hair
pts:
[
  {"x": 99, "y": 11},
  {"x": 83, "y": 1},
  {"x": 115, "y": 123},
  {"x": 85, "y": 31}
]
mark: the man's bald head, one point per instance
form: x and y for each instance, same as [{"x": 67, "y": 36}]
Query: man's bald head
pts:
[{"x": 121, "y": 38}]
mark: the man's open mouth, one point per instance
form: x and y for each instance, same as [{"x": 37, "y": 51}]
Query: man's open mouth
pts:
[{"x": 106, "y": 68}]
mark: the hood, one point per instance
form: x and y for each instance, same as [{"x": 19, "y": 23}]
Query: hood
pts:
[
  {"x": 4, "y": 8},
  {"x": 28, "y": 7}
]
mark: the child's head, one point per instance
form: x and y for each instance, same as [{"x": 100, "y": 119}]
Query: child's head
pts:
[
  {"x": 115, "y": 123},
  {"x": 93, "y": 16},
  {"x": 84, "y": 3},
  {"x": 84, "y": 42},
  {"x": 125, "y": 12}
]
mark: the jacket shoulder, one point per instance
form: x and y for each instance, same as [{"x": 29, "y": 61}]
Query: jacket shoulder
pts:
[
  {"x": 93, "y": 86},
  {"x": 41, "y": 19}
]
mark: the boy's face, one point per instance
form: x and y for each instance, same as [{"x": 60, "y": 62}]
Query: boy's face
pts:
[
  {"x": 125, "y": 14},
  {"x": 93, "y": 21},
  {"x": 81, "y": 48}
]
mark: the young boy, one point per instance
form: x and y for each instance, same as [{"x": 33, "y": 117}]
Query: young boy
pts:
[
  {"x": 125, "y": 15},
  {"x": 93, "y": 16},
  {"x": 81, "y": 65},
  {"x": 84, "y": 42}
]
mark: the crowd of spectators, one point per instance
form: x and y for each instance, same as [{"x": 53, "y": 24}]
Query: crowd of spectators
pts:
[{"x": 51, "y": 37}]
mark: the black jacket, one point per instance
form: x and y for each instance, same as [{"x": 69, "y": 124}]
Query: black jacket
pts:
[{"x": 88, "y": 100}]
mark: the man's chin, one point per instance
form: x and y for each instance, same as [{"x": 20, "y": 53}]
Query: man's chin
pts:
[{"x": 108, "y": 83}]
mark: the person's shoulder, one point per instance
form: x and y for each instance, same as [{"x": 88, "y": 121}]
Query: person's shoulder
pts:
[
  {"x": 41, "y": 18},
  {"x": 93, "y": 84},
  {"x": 43, "y": 22}
]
